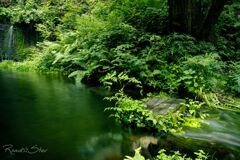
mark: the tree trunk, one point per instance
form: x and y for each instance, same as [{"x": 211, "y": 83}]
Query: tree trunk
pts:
[
  {"x": 211, "y": 19},
  {"x": 195, "y": 17}
]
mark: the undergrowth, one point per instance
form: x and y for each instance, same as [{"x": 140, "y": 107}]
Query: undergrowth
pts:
[
  {"x": 135, "y": 114},
  {"x": 176, "y": 155}
]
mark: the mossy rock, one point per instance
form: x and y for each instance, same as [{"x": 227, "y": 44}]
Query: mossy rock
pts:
[{"x": 162, "y": 106}]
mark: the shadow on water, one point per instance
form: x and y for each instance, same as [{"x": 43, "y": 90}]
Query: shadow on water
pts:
[{"x": 54, "y": 114}]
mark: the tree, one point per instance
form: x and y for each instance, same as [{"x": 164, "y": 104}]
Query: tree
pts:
[{"x": 195, "y": 17}]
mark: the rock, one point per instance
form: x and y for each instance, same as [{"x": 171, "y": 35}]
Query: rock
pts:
[{"x": 162, "y": 106}]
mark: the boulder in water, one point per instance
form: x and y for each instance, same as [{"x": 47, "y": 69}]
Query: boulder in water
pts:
[{"x": 162, "y": 106}]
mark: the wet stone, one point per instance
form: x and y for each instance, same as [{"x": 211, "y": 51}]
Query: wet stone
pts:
[{"x": 162, "y": 106}]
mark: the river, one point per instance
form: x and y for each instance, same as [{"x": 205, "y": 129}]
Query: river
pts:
[{"x": 48, "y": 117}]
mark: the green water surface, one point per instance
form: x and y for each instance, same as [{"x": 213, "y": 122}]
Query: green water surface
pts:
[
  {"x": 48, "y": 117},
  {"x": 55, "y": 118}
]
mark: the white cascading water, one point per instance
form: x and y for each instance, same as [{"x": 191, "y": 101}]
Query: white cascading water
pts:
[{"x": 10, "y": 39}]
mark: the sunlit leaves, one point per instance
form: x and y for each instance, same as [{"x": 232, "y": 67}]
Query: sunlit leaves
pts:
[
  {"x": 175, "y": 155},
  {"x": 137, "y": 155},
  {"x": 133, "y": 113}
]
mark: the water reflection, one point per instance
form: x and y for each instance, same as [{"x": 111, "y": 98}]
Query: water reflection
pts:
[
  {"x": 68, "y": 120},
  {"x": 53, "y": 113}
]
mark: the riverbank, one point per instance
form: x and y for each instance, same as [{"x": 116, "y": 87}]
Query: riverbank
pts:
[
  {"x": 134, "y": 114},
  {"x": 25, "y": 66}
]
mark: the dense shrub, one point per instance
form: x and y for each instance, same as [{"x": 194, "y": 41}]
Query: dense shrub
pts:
[
  {"x": 234, "y": 78},
  {"x": 106, "y": 51},
  {"x": 134, "y": 113},
  {"x": 228, "y": 28}
]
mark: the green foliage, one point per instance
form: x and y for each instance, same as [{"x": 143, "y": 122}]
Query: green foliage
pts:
[
  {"x": 4, "y": 14},
  {"x": 44, "y": 15},
  {"x": 146, "y": 15},
  {"x": 133, "y": 113},
  {"x": 45, "y": 62},
  {"x": 118, "y": 44},
  {"x": 234, "y": 78},
  {"x": 122, "y": 80},
  {"x": 25, "y": 66},
  {"x": 58, "y": 15},
  {"x": 122, "y": 56},
  {"x": 228, "y": 28},
  {"x": 25, "y": 12},
  {"x": 178, "y": 156},
  {"x": 194, "y": 107},
  {"x": 137, "y": 155},
  {"x": 202, "y": 73},
  {"x": 201, "y": 155},
  {"x": 115, "y": 44},
  {"x": 193, "y": 113}
]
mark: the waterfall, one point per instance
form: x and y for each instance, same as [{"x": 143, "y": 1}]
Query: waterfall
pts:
[
  {"x": 14, "y": 40},
  {"x": 10, "y": 39},
  {"x": 1, "y": 41}
]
